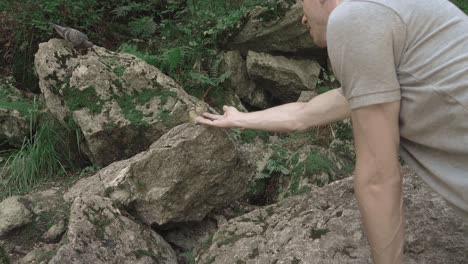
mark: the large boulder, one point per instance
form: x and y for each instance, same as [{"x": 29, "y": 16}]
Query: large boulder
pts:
[
  {"x": 269, "y": 31},
  {"x": 100, "y": 233},
  {"x": 15, "y": 114},
  {"x": 324, "y": 226},
  {"x": 240, "y": 82},
  {"x": 181, "y": 177},
  {"x": 120, "y": 103},
  {"x": 13, "y": 214},
  {"x": 282, "y": 77}
]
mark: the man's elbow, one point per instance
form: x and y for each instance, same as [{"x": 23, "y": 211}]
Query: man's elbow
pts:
[{"x": 377, "y": 175}]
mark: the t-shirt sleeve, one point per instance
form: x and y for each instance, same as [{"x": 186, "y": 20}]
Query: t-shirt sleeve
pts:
[{"x": 364, "y": 45}]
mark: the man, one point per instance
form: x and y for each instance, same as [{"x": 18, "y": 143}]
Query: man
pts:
[{"x": 403, "y": 67}]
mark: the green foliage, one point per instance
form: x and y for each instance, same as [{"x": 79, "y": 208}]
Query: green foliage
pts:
[
  {"x": 42, "y": 157},
  {"x": 132, "y": 49},
  {"x": 142, "y": 27},
  {"x": 189, "y": 257},
  {"x": 29, "y": 22},
  {"x": 276, "y": 163},
  {"x": 172, "y": 59},
  {"x": 12, "y": 101},
  {"x": 249, "y": 135},
  {"x": 3, "y": 256},
  {"x": 462, "y": 4},
  {"x": 326, "y": 83}
]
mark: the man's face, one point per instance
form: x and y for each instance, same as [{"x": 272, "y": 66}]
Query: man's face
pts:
[{"x": 315, "y": 19}]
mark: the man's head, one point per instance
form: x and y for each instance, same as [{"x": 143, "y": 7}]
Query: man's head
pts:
[{"x": 316, "y": 13}]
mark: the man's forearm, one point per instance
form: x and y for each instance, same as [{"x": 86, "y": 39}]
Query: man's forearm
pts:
[
  {"x": 378, "y": 181},
  {"x": 322, "y": 109},
  {"x": 381, "y": 206}
]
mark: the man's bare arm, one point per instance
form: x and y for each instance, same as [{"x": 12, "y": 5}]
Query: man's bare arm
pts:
[
  {"x": 322, "y": 109},
  {"x": 378, "y": 182}
]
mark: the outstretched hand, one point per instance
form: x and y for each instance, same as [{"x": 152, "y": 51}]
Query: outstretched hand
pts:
[{"x": 227, "y": 120}]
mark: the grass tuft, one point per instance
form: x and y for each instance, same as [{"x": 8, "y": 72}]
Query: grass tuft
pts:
[{"x": 40, "y": 158}]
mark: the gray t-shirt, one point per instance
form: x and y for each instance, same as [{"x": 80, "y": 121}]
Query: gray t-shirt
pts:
[{"x": 417, "y": 52}]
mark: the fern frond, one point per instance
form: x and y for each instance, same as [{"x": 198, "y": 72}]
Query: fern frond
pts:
[
  {"x": 173, "y": 58},
  {"x": 143, "y": 27},
  {"x": 122, "y": 11}
]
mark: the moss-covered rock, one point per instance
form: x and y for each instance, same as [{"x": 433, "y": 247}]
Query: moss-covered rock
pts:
[
  {"x": 120, "y": 103},
  {"x": 16, "y": 111}
]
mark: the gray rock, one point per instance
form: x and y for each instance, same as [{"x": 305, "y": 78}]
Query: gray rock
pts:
[
  {"x": 40, "y": 255},
  {"x": 325, "y": 227},
  {"x": 187, "y": 236},
  {"x": 55, "y": 232},
  {"x": 98, "y": 233},
  {"x": 120, "y": 103},
  {"x": 13, "y": 214},
  {"x": 281, "y": 77},
  {"x": 306, "y": 96},
  {"x": 14, "y": 123},
  {"x": 181, "y": 177},
  {"x": 240, "y": 82},
  {"x": 284, "y": 34}
]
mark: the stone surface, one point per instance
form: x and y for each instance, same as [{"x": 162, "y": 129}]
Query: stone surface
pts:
[
  {"x": 324, "y": 227},
  {"x": 181, "y": 177},
  {"x": 120, "y": 103},
  {"x": 306, "y": 96},
  {"x": 14, "y": 112},
  {"x": 13, "y": 214},
  {"x": 282, "y": 77},
  {"x": 55, "y": 232},
  {"x": 240, "y": 82},
  {"x": 284, "y": 33},
  {"x": 100, "y": 233}
]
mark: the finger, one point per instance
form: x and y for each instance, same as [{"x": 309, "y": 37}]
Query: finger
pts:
[
  {"x": 225, "y": 108},
  {"x": 203, "y": 121},
  {"x": 211, "y": 116}
]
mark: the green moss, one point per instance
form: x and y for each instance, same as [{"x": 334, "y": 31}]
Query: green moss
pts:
[
  {"x": 4, "y": 256},
  {"x": 128, "y": 104},
  {"x": 87, "y": 98},
  {"x": 249, "y": 135},
  {"x": 129, "y": 110},
  {"x": 119, "y": 71},
  {"x": 164, "y": 117},
  {"x": 189, "y": 257},
  {"x": 316, "y": 233},
  {"x": 10, "y": 100}
]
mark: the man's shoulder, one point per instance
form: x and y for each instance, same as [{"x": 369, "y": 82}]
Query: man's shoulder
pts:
[
  {"x": 361, "y": 14},
  {"x": 366, "y": 11}
]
